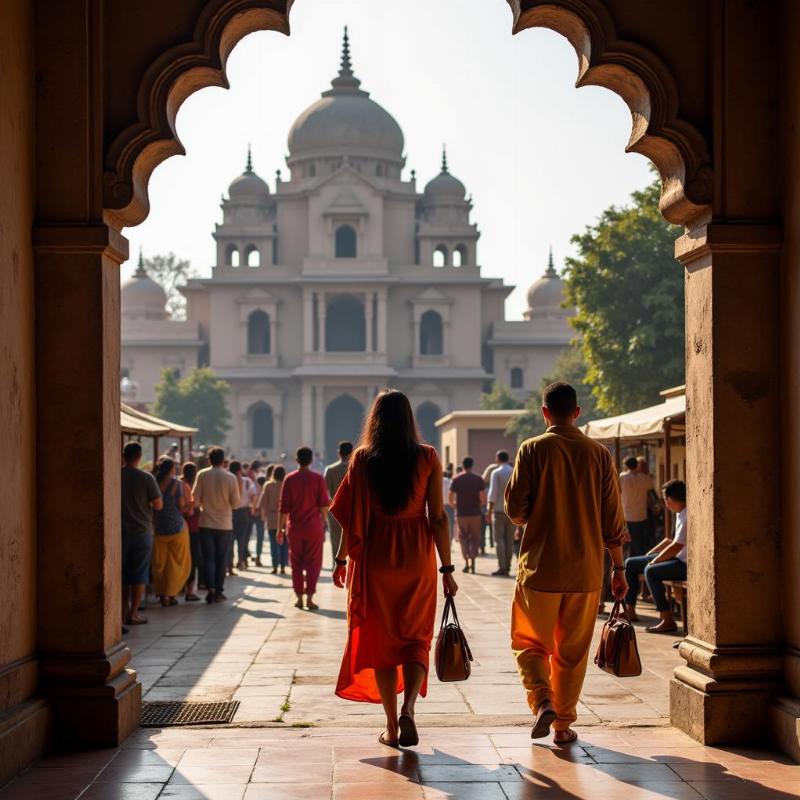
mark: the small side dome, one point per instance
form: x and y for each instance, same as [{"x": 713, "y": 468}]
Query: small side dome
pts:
[
  {"x": 445, "y": 188},
  {"x": 142, "y": 297},
  {"x": 546, "y": 295},
  {"x": 248, "y": 184}
]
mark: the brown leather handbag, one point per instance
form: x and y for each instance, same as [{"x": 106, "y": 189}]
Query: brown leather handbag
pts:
[
  {"x": 453, "y": 655},
  {"x": 617, "y": 652}
]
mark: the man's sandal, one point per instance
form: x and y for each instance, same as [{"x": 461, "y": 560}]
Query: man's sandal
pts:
[
  {"x": 571, "y": 737},
  {"x": 545, "y": 717}
]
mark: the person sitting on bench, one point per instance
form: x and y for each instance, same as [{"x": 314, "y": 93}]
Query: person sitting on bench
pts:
[{"x": 666, "y": 561}]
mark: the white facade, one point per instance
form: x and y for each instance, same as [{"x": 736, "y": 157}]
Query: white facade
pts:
[{"x": 345, "y": 280}]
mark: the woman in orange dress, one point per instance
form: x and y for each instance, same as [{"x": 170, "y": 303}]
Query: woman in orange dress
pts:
[{"x": 393, "y": 520}]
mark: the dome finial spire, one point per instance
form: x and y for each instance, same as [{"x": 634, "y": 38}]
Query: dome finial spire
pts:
[
  {"x": 345, "y": 81},
  {"x": 248, "y": 168},
  {"x": 444, "y": 158},
  {"x": 346, "y": 65},
  {"x": 140, "y": 270},
  {"x": 551, "y": 270}
]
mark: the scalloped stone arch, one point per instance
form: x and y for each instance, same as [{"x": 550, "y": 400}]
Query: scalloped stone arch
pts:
[
  {"x": 636, "y": 74},
  {"x": 170, "y": 79},
  {"x": 678, "y": 150}
]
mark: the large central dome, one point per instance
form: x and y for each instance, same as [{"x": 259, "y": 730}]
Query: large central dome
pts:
[{"x": 345, "y": 122}]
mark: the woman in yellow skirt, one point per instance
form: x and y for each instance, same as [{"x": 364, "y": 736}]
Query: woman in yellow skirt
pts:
[{"x": 172, "y": 556}]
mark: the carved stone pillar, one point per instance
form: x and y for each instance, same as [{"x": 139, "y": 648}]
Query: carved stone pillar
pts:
[
  {"x": 368, "y": 309},
  {"x": 321, "y": 312},
  {"x": 306, "y": 413},
  {"x": 732, "y": 653},
  {"x": 308, "y": 322},
  {"x": 383, "y": 321},
  {"x": 83, "y": 670}
]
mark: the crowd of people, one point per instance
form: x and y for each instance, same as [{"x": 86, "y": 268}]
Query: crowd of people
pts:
[{"x": 186, "y": 527}]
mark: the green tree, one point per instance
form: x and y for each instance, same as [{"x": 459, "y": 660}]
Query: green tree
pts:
[
  {"x": 170, "y": 272},
  {"x": 199, "y": 400},
  {"x": 628, "y": 290},
  {"x": 499, "y": 399},
  {"x": 570, "y": 367}
]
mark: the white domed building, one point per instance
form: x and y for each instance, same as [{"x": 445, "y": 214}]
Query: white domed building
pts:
[{"x": 345, "y": 279}]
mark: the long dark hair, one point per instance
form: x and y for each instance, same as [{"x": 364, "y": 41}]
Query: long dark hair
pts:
[
  {"x": 163, "y": 468},
  {"x": 390, "y": 442}
]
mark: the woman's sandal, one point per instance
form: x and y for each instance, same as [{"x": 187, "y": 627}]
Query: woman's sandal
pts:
[
  {"x": 388, "y": 742},
  {"x": 408, "y": 731},
  {"x": 571, "y": 737}
]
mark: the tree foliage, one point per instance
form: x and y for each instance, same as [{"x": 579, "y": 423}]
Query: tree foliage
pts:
[
  {"x": 500, "y": 398},
  {"x": 570, "y": 367},
  {"x": 199, "y": 400},
  {"x": 170, "y": 272},
  {"x": 628, "y": 290}
]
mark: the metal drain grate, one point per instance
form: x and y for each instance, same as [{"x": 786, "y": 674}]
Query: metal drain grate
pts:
[{"x": 163, "y": 715}]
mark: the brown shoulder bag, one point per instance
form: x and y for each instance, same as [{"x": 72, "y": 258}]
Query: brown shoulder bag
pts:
[
  {"x": 617, "y": 652},
  {"x": 453, "y": 655}
]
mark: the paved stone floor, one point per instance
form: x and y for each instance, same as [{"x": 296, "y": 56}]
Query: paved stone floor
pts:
[{"x": 292, "y": 738}]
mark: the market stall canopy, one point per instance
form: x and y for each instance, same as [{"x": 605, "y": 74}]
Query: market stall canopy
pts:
[
  {"x": 646, "y": 423},
  {"x": 133, "y": 421}
]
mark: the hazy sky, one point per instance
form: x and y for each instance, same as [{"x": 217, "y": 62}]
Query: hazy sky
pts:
[{"x": 540, "y": 158}]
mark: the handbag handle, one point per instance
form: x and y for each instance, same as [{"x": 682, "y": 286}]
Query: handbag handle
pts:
[
  {"x": 619, "y": 603},
  {"x": 450, "y": 607}
]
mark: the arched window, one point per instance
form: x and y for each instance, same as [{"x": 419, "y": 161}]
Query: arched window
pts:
[
  {"x": 232, "y": 255},
  {"x": 345, "y": 325},
  {"x": 344, "y": 417},
  {"x": 253, "y": 256},
  {"x": 258, "y": 333},
  {"x": 459, "y": 256},
  {"x": 427, "y": 414},
  {"x": 440, "y": 256},
  {"x": 262, "y": 426},
  {"x": 431, "y": 336},
  {"x": 517, "y": 378},
  {"x": 345, "y": 241}
]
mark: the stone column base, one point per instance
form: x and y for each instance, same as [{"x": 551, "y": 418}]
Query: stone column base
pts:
[
  {"x": 96, "y": 700},
  {"x": 722, "y": 694},
  {"x": 784, "y": 725}
]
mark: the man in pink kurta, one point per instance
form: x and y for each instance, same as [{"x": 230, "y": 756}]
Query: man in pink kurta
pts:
[{"x": 303, "y": 508}]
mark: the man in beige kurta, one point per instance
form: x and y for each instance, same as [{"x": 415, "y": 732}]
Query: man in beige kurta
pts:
[
  {"x": 334, "y": 475},
  {"x": 565, "y": 491}
]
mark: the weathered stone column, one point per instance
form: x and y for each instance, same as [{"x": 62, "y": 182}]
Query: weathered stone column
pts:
[
  {"x": 84, "y": 672},
  {"x": 733, "y": 655}
]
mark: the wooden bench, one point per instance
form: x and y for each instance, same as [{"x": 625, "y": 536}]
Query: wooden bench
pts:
[{"x": 677, "y": 591}]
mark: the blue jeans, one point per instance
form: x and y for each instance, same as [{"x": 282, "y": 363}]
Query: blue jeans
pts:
[
  {"x": 279, "y": 552},
  {"x": 655, "y": 575},
  {"x": 259, "y": 535}
]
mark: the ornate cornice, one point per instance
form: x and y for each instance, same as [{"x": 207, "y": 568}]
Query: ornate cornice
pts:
[
  {"x": 166, "y": 83},
  {"x": 641, "y": 78}
]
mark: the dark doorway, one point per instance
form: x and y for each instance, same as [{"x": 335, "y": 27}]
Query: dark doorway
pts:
[{"x": 344, "y": 417}]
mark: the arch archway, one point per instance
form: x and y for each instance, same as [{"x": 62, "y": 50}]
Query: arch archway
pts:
[
  {"x": 258, "y": 333},
  {"x": 344, "y": 417},
  {"x": 262, "y": 427},
  {"x": 345, "y": 325},
  {"x": 630, "y": 68},
  {"x": 427, "y": 414}
]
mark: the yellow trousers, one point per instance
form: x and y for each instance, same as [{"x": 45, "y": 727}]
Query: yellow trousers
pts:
[{"x": 551, "y": 633}]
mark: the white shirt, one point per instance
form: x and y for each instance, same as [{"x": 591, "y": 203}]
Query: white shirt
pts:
[
  {"x": 446, "y": 489},
  {"x": 497, "y": 486},
  {"x": 680, "y": 535},
  {"x": 634, "y": 487}
]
